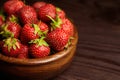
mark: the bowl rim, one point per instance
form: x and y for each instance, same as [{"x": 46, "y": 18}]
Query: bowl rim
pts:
[{"x": 44, "y": 60}]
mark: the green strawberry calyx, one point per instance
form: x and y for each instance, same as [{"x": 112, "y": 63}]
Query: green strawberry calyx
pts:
[
  {"x": 69, "y": 42},
  {"x": 58, "y": 9},
  {"x": 11, "y": 43},
  {"x": 39, "y": 42},
  {"x": 5, "y": 32},
  {"x": 55, "y": 22},
  {"x": 38, "y": 31},
  {"x": 13, "y": 19}
]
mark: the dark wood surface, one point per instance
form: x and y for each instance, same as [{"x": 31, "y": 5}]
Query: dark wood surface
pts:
[{"x": 98, "y": 51}]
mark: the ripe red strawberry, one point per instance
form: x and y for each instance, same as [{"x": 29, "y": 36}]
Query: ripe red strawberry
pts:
[
  {"x": 47, "y": 10},
  {"x": 11, "y": 47},
  {"x": 57, "y": 39},
  {"x": 13, "y": 6},
  {"x": 43, "y": 27},
  {"x": 33, "y": 31},
  {"x": 38, "y": 5},
  {"x": 39, "y": 48},
  {"x": 23, "y": 54},
  {"x": 10, "y": 29},
  {"x": 27, "y": 14},
  {"x": 64, "y": 24},
  {"x": 67, "y": 26},
  {"x": 61, "y": 14}
]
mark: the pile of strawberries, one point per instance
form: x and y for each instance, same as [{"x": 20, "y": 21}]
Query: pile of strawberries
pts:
[{"x": 33, "y": 31}]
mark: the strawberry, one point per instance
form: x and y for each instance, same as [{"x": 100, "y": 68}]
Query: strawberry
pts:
[
  {"x": 38, "y": 5},
  {"x": 39, "y": 48},
  {"x": 28, "y": 33},
  {"x": 27, "y": 14},
  {"x": 13, "y": 6},
  {"x": 57, "y": 39},
  {"x": 61, "y": 14},
  {"x": 67, "y": 26},
  {"x": 33, "y": 31},
  {"x": 43, "y": 27},
  {"x": 23, "y": 54},
  {"x": 64, "y": 24},
  {"x": 10, "y": 29},
  {"x": 47, "y": 10},
  {"x": 11, "y": 47}
]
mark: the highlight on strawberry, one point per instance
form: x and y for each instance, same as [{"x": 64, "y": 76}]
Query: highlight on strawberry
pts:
[{"x": 33, "y": 31}]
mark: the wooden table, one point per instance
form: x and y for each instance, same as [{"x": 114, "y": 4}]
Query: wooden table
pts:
[{"x": 98, "y": 51}]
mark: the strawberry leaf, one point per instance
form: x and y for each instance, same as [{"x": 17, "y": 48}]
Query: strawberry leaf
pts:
[
  {"x": 34, "y": 41},
  {"x": 58, "y": 9},
  {"x": 14, "y": 47},
  {"x": 17, "y": 45},
  {"x": 38, "y": 31},
  {"x": 39, "y": 42},
  {"x": 69, "y": 42},
  {"x": 36, "y": 28},
  {"x": 45, "y": 32},
  {"x": 55, "y": 23},
  {"x": 5, "y": 32},
  {"x": 42, "y": 42},
  {"x": 11, "y": 43},
  {"x": 13, "y": 19}
]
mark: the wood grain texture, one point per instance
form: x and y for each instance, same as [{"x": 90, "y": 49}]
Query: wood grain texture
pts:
[{"x": 98, "y": 50}]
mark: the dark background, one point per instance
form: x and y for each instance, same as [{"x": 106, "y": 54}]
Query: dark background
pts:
[{"x": 98, "y": 50}]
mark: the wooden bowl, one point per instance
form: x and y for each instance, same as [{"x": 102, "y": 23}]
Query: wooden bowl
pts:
[{"x": 39, "y": 69}]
